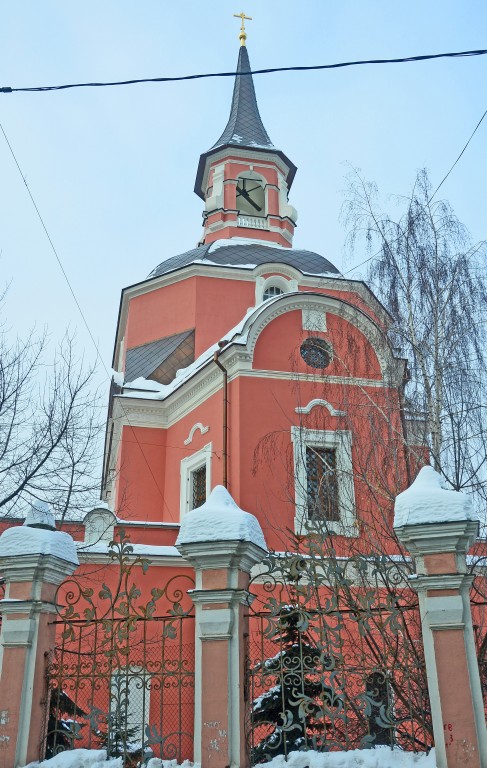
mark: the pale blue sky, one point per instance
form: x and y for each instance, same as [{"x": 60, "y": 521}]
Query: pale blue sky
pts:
[{"x": 112, "y": 170}]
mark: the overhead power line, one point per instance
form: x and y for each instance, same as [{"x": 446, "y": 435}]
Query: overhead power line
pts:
[
  {"x": 80, "y": 310},
  {"x": 268, "y": 71},
  {"x": 375, "y": 255}
]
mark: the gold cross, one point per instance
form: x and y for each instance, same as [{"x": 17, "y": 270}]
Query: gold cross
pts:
[{"x": 243, "y": 35}]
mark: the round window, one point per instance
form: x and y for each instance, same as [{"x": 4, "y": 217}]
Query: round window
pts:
[
  {"x": 271, "y": 291},
  {"x": 316, "y": 353}
]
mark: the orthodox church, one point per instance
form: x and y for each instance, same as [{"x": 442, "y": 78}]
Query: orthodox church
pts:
[{"x": 248, "y": 363}]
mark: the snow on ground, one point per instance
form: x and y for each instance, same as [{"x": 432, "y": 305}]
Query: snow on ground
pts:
[
  {"x": 80, "y": 758},
  {"x": 380, "y": 757}
]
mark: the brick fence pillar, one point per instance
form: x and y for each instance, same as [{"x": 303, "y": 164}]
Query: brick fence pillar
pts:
[
  {"x": 34, "y": 560},
  {"x": 222, "y": 543},
  {"x": 438, "y": 527}
]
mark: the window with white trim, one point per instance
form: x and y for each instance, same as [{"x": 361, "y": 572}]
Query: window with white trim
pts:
[
  {"x": 271, "y": 291},
  {"x": 195, "y": 479},
  {"x": 268, "y": 287},
  {"x": 324, "y": 487},
  {"x": 321, "y": 483}
]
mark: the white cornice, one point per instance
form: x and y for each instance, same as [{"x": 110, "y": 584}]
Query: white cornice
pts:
[
  {"x": 162, "y": 414},
  {"x": 101, "y": 558},
  {"x": 321, "y": 282},
  {"x": 391, "y": 368},
  {"x": 264, "y": 160},
  {"x": 238, "y": 357},
  {"x": 280, "y": 269}
]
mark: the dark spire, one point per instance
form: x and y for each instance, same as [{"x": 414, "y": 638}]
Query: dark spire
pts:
[{"x": 244, "y": 127}]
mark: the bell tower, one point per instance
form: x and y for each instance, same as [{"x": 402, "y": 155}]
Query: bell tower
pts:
[{"x": 244, "y": 179}]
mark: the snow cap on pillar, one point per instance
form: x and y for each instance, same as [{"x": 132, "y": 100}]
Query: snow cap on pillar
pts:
[
  {"x": 38, "y": 536},
  {"x": 427, "y": 501},
  {"x": 220, "y": 519},
  {"x": 40, "y": 516}
]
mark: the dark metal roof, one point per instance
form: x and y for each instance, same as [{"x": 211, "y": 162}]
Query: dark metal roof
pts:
[
  {"x": 143, "y": 360},
  {"x": 247, "y": 256},
  {"x": 244, "y": 129}
]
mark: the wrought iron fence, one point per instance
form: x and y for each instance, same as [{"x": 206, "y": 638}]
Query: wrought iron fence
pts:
[
  {"x": 120, "y": 677},
  {"x": 335, "y": 658},
  {"x": 130, "y": 692}
]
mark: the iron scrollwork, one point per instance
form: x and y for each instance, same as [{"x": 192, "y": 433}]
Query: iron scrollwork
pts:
[
  {"x": 334, "y": 658},
  {"x": 122, "y": 674}
]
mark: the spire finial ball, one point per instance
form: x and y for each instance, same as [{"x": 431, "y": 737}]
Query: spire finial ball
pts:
[{"x": 243, "y": 35}]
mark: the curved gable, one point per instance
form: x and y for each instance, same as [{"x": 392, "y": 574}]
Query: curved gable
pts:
[{"x": 360, "y": 347}]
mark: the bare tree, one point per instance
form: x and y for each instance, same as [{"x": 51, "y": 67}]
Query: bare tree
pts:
[
  {"x": 425, "y": 271},
  {"x": 49, "y": 427},
  {"x": 433, "y": 281}
]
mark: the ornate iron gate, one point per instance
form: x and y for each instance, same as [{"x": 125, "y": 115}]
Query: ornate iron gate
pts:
[
  {"x": 335, "y": 658},
  {"x": 122, "y": 678}
]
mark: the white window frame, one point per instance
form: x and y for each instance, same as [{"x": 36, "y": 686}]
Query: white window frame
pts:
[
  {"x": 262, "y": 283},
  {"x": 189, "y": 465},
  {"x": 341, "y": 440}
]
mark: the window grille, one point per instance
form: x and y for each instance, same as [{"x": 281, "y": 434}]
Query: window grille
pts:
[
  {"x": 317, "y": 353},
  {"x": 271, "y": 291},
  {"x": 322, "y": 486},
  {"x": 198, "y": 486}
]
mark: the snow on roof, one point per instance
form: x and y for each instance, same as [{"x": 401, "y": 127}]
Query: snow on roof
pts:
[
  {"x": 220, "y": 519},
  {"x": 152, "y": 390},
  {"x": 230, "y": 241},
  {"x": 139, "y": 550},
  {"x": 101, "y": 505},
  {"x": 24, "y": 540},
  {"x": 117, "y": 377},
  {"x": 427, "y": 501},
  {"x": 39, "y": 513}
]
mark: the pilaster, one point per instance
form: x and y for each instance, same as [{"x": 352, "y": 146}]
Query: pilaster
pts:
[
  {"x": 34, "y": 561},
  {"x": 219, "y": 540},
  {"x": 439, "y": 549}
]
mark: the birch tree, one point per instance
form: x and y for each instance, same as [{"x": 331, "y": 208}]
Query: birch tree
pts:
[{"x": 432, "y": 279}]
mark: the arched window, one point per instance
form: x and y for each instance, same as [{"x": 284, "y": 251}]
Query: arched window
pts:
[{"x": 271, "y": 291}]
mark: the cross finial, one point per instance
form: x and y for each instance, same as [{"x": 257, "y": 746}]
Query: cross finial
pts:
[{"x": 243, "y": 35}]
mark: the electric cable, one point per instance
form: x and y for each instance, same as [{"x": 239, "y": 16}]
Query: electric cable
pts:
[
  {"x": 267, "y": 71},
  {"x": 66, "y": 278},
  {"x": 374, "y": 256}
]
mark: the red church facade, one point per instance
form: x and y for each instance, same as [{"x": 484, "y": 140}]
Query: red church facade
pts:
[{"x": 249, "y": 363}]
